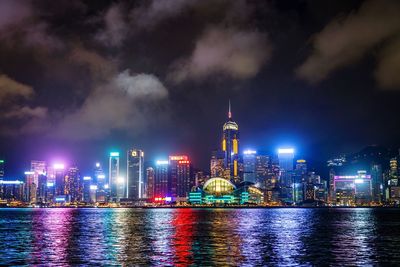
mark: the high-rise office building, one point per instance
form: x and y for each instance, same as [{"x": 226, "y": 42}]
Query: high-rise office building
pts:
[
  {"x": 217, "y": 163},
  {"x": 73, "y": 186},
  {"x": 135, "y": 174},
  {"x": 30, "y": 189},
  {"x": 230, "y": 147},
  {"x": 377, "y": 182},
  {"x": 38, "y": 168},
  {"x": 161, "y": 179},
  {"x": 180, "y": 176},
  {"x": 59, "y": 178},
  {"x": 285, "y": 157},
  {"x": 150, "y": 182},
  {"x": 1, "y": 168},
  {"x": 86, "y": 184},
  {"x": 249, "y": 164},
  {"x": 117, "y": 183}
]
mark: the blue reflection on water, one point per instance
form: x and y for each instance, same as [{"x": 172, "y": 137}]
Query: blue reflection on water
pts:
[{"x": 181, "y": 237}]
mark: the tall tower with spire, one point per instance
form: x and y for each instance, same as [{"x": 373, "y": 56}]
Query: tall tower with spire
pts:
[{"x": 230, "y": 146}]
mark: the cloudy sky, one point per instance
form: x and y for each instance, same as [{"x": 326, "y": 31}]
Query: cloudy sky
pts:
[{"x": 81, "y": 78}]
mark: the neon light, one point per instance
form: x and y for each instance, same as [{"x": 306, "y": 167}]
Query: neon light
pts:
[
  {"x": 120, "y": 180},
  {"x": 86, "y": 178},
  {"x": 93, "y": 187},
  {"x": 235, "y": 146},
  {"x": 162, "y": 162},
  {"x": 101, "y": 176},
  {"x": 97, "y": 164},
  {"x": 359, "y": 181},
  {"x": 16, "y": 182},
  {"x": 183, "y": 157},
  {"x": 60, "y": 199},
  {"x": 1, "y": 160},
  {"x": 301, "y": 161},
  {"x": 29, "y": 173},
  {"x": 286, "y": 151},
  {"x": 114, "y": 154},
  {"x": 249, "y": 152},
  {"x": 58, "y": 166},
  {"x": 106, "y": 186},
  {"x": 50, "y": 184},
  {"x": 168, "y": 199},
  {"x": 183, "y": 162}
]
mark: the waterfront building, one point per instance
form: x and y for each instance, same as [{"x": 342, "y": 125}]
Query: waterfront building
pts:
[
  {"x": 11, "y": 190},
  {"x": 86, "y": 184},
  {"x": 2, "y": 162},
  {"x": 230, "y": 147},
  {"x": 73, "y": 187},
  {"x": 161, "y": 179},
  {"x": 353, "y": 189},
  {"x": 59, "y": 178},
  {"x": 150, "y": 178},
  {"x": 135, "y": 174},
  {"x": 377, "y": 183},
  {"x": 116, "y": 183},
  {"x": 180, "y": 176},
  {"x": 249, "y": 166},
  {"x": 30, "y": 188},
  {"x": 286, "y": 157}
]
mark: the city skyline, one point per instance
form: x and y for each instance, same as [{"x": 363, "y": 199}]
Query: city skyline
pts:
[{"x": 64, "y": 84}]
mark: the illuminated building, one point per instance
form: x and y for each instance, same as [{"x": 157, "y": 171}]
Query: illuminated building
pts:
[
  {"x": 86, "y": 183},
  {"x": 161, "y": 179},
  {"x": 180, "y": 176},
  {"x": 249, "y": 162},
  {"x": 377, "y": 183},
  {"x": 218, "y": 190},
  {"x": 217, "y": 163},
  {"x": 200, "y": 178},
  {"x": 135, "y": 174},
  {"x": 59, "y": 178},
  {"x": 42, "y": 189},
  {"x": 285, "y": 157},
  {"x": 1, "y": 169},
  {"x": 300, "y": 184},
  {"x": 353, "y": 189},
  {"x": 262, "y": 168},
  {"x": 30, "y": 189},
  {"x": 230, "y": 147},
  {"x": 73, "y": 187},
  {"x": 116, "y": 184},
  {"x": 11, "y": 190},
  {"x": 150, "y": 182}
]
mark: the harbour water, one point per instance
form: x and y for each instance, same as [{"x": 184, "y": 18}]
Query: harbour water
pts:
[{"x": 181, "y": 237}]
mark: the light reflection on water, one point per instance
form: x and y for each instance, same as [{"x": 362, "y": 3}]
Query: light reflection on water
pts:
[{"x": 181, "y": 237}]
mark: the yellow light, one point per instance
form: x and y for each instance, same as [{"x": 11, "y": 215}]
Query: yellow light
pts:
[
  {"x": 235, "y": 167},
  {"x": 133, "y": 153},
  {"x": 224, "y": 145},
  {"x": 235, "y": 146}
]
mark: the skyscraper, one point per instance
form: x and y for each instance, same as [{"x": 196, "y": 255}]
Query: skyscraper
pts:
[
  {"x": 161, "y": 179},
  {"x": 59, "y": 174},
  {"x": 249, "y": 162},
  {"x": 230, "y": 146},
  {"x": 1, "y": 169},
  {"x": 217, "y": 163},
  {"x": 135, "y": 174},
  {"x": 180, "y": 176},
  {"x": 117, "y": 183},
  {"x": 285, "y": 157},
  {"x": 150, "y": 182},
  {"x": 73, "y": 186}
]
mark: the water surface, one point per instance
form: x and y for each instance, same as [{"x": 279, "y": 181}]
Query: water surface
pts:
[{"x": 181, "y": 237}]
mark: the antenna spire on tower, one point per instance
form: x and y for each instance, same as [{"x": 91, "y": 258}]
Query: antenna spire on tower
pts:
[{"x": 229, "y": 111}]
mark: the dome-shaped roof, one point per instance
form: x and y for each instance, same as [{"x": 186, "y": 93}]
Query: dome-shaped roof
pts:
[
  {"x": 231, "y": 125},
  {"x": 218, "y": 186}
]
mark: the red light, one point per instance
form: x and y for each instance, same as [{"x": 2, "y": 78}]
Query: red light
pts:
[
  {"x": 183, "y": 162},
  {"x": 182, "y": 157}
]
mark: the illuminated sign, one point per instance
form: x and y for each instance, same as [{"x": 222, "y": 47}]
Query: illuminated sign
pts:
[
  {"x": 134, "y": 154},
  {"x": 183, "y": 162},
  {"x": 301, "y": 161},
  {"x": 1, "y": 160},
  {"x": 93, "y": 187},
  {"x": 114, "y": 154},
  {"x": 162, "y": 162},
  {"x": 50, "y": 184},
  {"x": 60, "y": 199},
  {"x": 352, "y": 177},
  {"x": 249, "y": 152},
  {"x": 86, "y": 178},
  {"x": 29, "y": 173},
  {"x": 183, "y": 157},
  {"x": 15, "y": 182},
  {"x": 101, "y": 176},
  {"x": 359, "y": 181},
  {"x": 167, "y": 199},
  {"x": 285, "y": 151},
  {"x": 58, "y": 166},
  {"x": 106, "y": 186}
]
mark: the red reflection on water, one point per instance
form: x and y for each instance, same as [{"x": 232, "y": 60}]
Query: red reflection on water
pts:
[{"x": 184, "y": 223}]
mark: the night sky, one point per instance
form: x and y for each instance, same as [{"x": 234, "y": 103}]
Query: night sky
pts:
[{"x": 81, "y": 78}]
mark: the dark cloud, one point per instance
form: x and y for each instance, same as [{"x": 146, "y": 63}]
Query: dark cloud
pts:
[
  {"x": 346, "y": 39},
  {"x": 232, "y": 52},
  {"x": 10, "y": 88}
]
